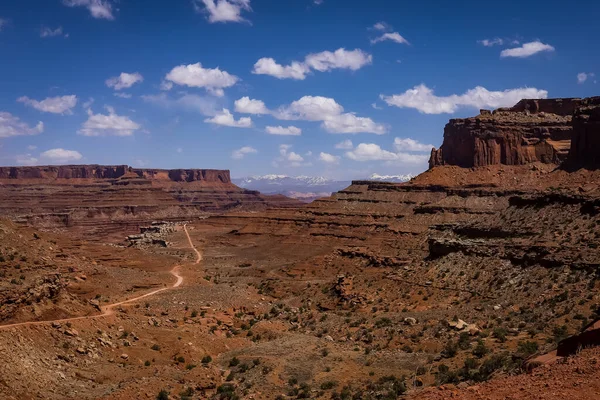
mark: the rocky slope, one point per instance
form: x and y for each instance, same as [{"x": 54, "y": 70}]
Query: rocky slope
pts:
[{"x": 531, "y": 131}]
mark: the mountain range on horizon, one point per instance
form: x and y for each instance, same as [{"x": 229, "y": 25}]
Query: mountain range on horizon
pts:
[{"x": 306, "y": 188}]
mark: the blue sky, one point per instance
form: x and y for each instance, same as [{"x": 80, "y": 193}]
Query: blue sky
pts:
[{"x": 338, "y": 88}]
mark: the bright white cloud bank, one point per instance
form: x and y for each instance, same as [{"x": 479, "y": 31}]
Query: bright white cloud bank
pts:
[
  {"x": 330, "y": 113},
  {"x": 54, "y": 105},
  {"x": 194, "y": 75},
  {"x": 423, "y": 99},
  {"x": 526, "y": 50},
  {"x": 124, "y": 81},
  {"x": 60, "y": 156},
  {"x": 110, "y": 124},
  {"x": 223, "y": 10},
  {"x": 324, "y": 61},
  {"x": 225, "y": 118},
  {"x": 12, "y": 126},
  {"x": 100, "y": 9}
]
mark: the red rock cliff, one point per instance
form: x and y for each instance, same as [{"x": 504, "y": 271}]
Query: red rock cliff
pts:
[
  {"x": 585, "y": 145},
  {"x": 531, "y": 131},
  {"x": 113, "y": 172}
]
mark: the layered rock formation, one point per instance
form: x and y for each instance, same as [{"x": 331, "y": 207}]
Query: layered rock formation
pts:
[
  {"x": 531, "y": 131},
  {"x": 101, "y": 199}
]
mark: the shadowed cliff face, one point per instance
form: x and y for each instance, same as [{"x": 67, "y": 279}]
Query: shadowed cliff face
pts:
[{"x": 531, "y": 131}]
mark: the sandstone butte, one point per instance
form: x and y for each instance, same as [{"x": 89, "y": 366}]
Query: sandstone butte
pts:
[{"x": 449, "y": 286}]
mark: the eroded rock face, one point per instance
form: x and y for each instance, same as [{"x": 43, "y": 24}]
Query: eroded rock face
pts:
[
  {"x": 531, "y": 131},
  {"x": 585, "y": 146}
]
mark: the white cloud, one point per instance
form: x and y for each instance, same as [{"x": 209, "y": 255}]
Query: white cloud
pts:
[
  {"x": 526, "y": 50},
  {"x": 423, "y": 99},
  {"x": 31, "y": 147},
  {"x": 268, "y": 66},
  {"x": 223, "y": 10},
  {"x": 491, "y": 42},
  {"x": 324, "y": 61},
  {"x": 205, "y": 105},
  {"x": 240, "y": 153},
  {"x": 88, "y": 103},
  {"x": 376, "y": 107},
  {"x": 350, "y": 123},
  {"x": 327, "y": 110},
  {"x": 166, "y": 86},
  {"x": 392, "y": 36},
  {"x": 284, "y": 131},
  {"x": 122, "y": 95},
  {"x": 246, "y": 105},
  {"x": 225, "y": 118},
  {"x": 111, "y": 124},
  {"x": 124, "y": 81},
  {"x": 329, "y": 158},
  {"x": 60, "y": 156},
  {"x": 583, "y": 76},
  {"x": 373, "y": 152},
  {"x": 46, "y": 32},
  {"x": 194, "y": 75},
  {"x": 339, "y": 59},
  {"x": 55, "y": 105},
  {"x": 291, "y": 157},
  {"x": 345, "y": 145},
  {"x": 12, "y": 126},
  {"x": 100, "y": 9},
  {"x": 408, "y": 144}
]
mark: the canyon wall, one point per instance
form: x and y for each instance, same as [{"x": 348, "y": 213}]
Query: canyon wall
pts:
[
  {"x": 114, "y": 172},
  {"x": 531, "y": 131}
]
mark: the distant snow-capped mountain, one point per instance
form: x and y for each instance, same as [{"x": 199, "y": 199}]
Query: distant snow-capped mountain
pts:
[{"x": 305, "y": 188}]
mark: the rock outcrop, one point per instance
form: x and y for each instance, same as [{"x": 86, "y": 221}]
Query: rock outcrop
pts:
[
  {"x": 531, "y": 131},
  {"x": 585, "y": 145}
]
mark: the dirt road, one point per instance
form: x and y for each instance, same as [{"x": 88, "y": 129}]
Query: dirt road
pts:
[{"x": 110, "y": 308}]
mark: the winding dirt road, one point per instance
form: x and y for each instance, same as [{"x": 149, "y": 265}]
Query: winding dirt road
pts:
[{"x": 110, "y": 308}]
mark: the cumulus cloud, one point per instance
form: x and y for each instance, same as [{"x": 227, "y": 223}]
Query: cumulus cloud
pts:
[
  {"x": 109, "y": 124},
  {"x": 46, "y": 32},
  {"x": 12, "y": 126},
  {"x": 287, "y": 155},
  {"x": 124, "y": 81},
  {"x": 583, "y": 76},
  {"x": 344, "y": 145},
  {"x": 223, "y": 10},
  {"x": 225, "y": 118},
  {"x": 381, "y": 26},
  {"x": 392, "y": 36},
  {"x": 100, "y": 9},
  {"x": 526, "y": 50},
  {"x": 423, "y": 99},
  {"x": 241, "y": 153},
  {"x": 246, "y": 105},
  {"x": 284, "y": 131},
  {"x": 330, "y": 113},
  {"x": 194, "y": 75},
  {"x": 60, "y": 156},
  {"x": 55, "y": 105},
  {"x": 25, "y": 159},
  {"x": 329, "y": 158},
  {"x": 324, "y": 61},
  {"x": 373, "y": 152},
  {"x": 408, "y": 144},
  {"x": 205, "y": 105},
  {"x": 491, "y": 42}
]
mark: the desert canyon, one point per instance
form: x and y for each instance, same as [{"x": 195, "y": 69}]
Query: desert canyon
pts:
[{"x": 478, "y": 279}]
